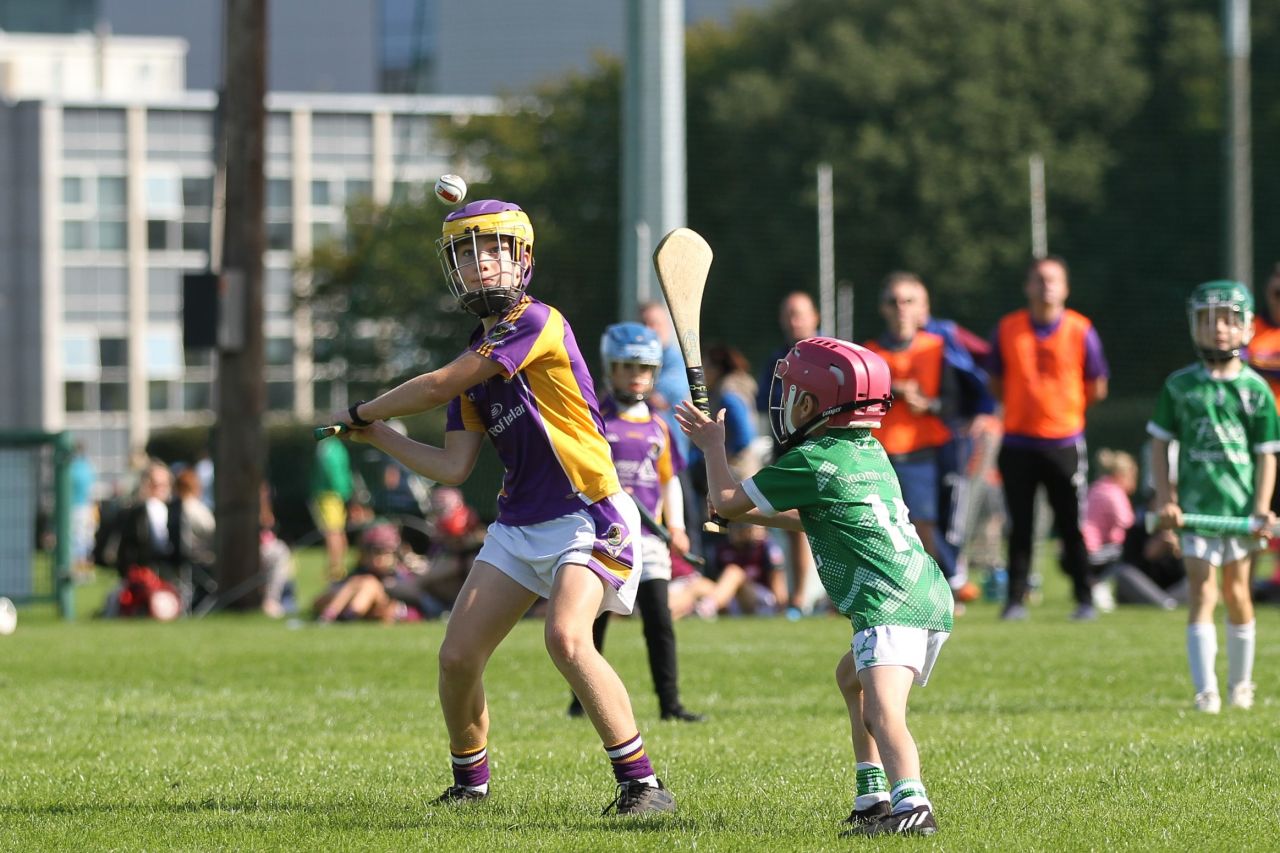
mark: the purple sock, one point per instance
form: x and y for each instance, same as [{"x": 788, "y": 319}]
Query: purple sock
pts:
[
  {"x": 471, "y": 769},
  {"x": 630, "y": 761}
]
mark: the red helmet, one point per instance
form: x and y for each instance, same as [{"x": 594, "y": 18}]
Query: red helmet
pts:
[{"x": 850, "y": 383}]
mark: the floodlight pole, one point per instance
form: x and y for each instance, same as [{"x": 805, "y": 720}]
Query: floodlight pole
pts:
[
  {"x": 826, "y": 252},
  {"x": 1239, "y": 184}
]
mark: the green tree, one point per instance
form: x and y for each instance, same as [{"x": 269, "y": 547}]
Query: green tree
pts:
[{"x": 927, "y": 111}]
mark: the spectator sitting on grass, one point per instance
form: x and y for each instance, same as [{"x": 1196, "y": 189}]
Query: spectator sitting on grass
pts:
[
  {"x": 750, "y": 579},
  {"x": 367, "y": 592}
]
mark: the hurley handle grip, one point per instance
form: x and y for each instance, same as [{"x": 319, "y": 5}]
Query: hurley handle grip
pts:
[
  {"x": 1212, "y": 524},
  {"x": 321, "y": 433}
]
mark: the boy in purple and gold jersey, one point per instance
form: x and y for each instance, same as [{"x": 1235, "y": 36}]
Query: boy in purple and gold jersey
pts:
[
  {"x": 565, "y": 531},
  {"x": 647, "y": 461}
]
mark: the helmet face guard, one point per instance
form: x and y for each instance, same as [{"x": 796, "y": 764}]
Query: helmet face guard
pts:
[
  {"x": 486, "y": 252},
  {"x": 1212, "y": 303},
  {"x": 850, "y": 385}
]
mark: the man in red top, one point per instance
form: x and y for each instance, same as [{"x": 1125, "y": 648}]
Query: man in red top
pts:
[{"x": 1047, "y": 367}]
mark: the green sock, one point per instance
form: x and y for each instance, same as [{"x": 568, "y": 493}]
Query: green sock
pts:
[
  {"x": 873, "y": 785},
  {"x": 907, "y": 794}
]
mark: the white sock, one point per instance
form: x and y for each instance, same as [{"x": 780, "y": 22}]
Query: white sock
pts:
[
  {"x": 1240, "y": 646},
  {"x": 1202, "y": 651},
  {"x": 482, "y": 789},
  {"x": 651, "y": 781}
]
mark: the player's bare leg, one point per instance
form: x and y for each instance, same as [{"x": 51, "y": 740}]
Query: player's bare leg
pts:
[
  {"x": 576, "y": 596},
  {"x": 884, "y": 710},
  {"x": 871, "y": 799},
  {"x": 575, "y": 600},
  {"x": 487, "y": 608},
  {"x": 884, "y": 707},
  {"x": 1202, "y": 591},
  {"x": 1202, "y": 637},
  {"x": 1241, "y": 630}
]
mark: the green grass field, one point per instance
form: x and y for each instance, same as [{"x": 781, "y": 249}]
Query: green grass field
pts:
[{"x": 241, "y": 733}]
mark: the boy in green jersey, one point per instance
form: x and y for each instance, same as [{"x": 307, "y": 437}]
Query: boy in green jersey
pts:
[
  {"x": 1223, "y": 416},
  {"x": 834, "y": 482}
]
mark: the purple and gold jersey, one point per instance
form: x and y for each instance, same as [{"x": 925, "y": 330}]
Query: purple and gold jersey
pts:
[
  {"x": 643, "y": 452},
  {"x": 541, "y": 415}
]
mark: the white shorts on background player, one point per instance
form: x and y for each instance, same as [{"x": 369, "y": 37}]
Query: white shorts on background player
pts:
[
  {"x": 1217, "y": 550},
  {"x": 657, "y": 559},
  {"x": 532, "y": 554},
  {"x": 896, "y": 645}
]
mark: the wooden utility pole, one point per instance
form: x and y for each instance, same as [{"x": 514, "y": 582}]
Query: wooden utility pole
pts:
[{"x": 240, "y": 444}]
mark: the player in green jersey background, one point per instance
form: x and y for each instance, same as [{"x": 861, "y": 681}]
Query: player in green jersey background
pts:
[
  {"x": 834, "y": 482},
  {"x": 1223, "y": 416}
]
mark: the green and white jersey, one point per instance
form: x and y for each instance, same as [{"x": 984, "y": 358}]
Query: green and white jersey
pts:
[
  {"x": 1219, "y": 424},
  {"x": 868, "y": 554}
]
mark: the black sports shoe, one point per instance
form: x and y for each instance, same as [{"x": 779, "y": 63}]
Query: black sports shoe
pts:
[
  {"x": 871, "y": 814},
  {"x": 638, "y": 798},
  {"x": 456, "y": 794},
  {"x": 575, "y": 708},
  {"x": 682, "y": 714},
  {"x": 918, "y": 821}
]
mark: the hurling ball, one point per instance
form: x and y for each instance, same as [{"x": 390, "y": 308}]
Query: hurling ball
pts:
[{"x": 451, "y": 189}]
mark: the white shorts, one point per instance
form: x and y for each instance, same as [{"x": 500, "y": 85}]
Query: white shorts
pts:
[
  {"x": 657, "y": 559},
  {"x": 603, "y": 537},
  {"x": 896, "y": 645},
  {"x": 1217, "y": 550}
]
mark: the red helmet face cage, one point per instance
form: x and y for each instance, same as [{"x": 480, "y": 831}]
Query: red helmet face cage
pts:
[{"x": 849, "y": 383}]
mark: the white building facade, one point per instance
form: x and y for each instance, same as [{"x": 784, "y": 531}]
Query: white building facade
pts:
[{"x": 106, "y": 202}]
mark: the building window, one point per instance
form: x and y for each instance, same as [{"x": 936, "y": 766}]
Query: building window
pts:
[
  {"x": 197, "y": 396},
  {"x": 158, "y": 396},
  {"x": 160, "y": 235},
  {"x": 113, "y": 352},
  {"x": 73, "y": 190},
  {"x": 279, "y": 351},
  {"x": 358, "y": 189},
  {"x": 111, "y": 193},
  {"x": 164, "y": 354},
  {"x": 75, "y": 235},
  {"x": 80, "y": 355},
  {"x": 321, "y": 194},
  {"x": 280, "y": 396},
  {"x": 114, "y": 396},
  {"x": 75, "y": 396},
  {"x": 112, "y": 236}
]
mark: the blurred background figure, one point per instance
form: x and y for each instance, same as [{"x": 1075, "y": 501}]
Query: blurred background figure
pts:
[
  {"x": 278, "y": 596},
  {"x": 1108, "y": 515},
  {"x": 145, "y": 551},
  {"x": 191, "y": 529},
  {"x": 798, "y": 318},
  {"x": 366, "y": 592},
  {"x": 1047, "y": 367},
  {"x": 928, "y": 381},
  {"x": 331, "y": 488},
  {"x": 456, "y": 534},
  {"x": 84, "y": 514}
]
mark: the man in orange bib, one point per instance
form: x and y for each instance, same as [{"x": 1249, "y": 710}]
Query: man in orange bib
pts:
[
  {"x": 1047, "y": 367},
  {"x": 1263, "y": 354}
]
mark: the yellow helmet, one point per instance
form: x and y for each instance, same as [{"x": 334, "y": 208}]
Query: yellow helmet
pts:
[{"x": 460, "y": 252}]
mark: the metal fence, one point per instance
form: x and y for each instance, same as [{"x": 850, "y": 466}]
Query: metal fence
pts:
[{"x": 35, "y": 518}]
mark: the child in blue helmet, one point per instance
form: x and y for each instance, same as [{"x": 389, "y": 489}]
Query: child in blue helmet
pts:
[{"x": 648, "y": 462}]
